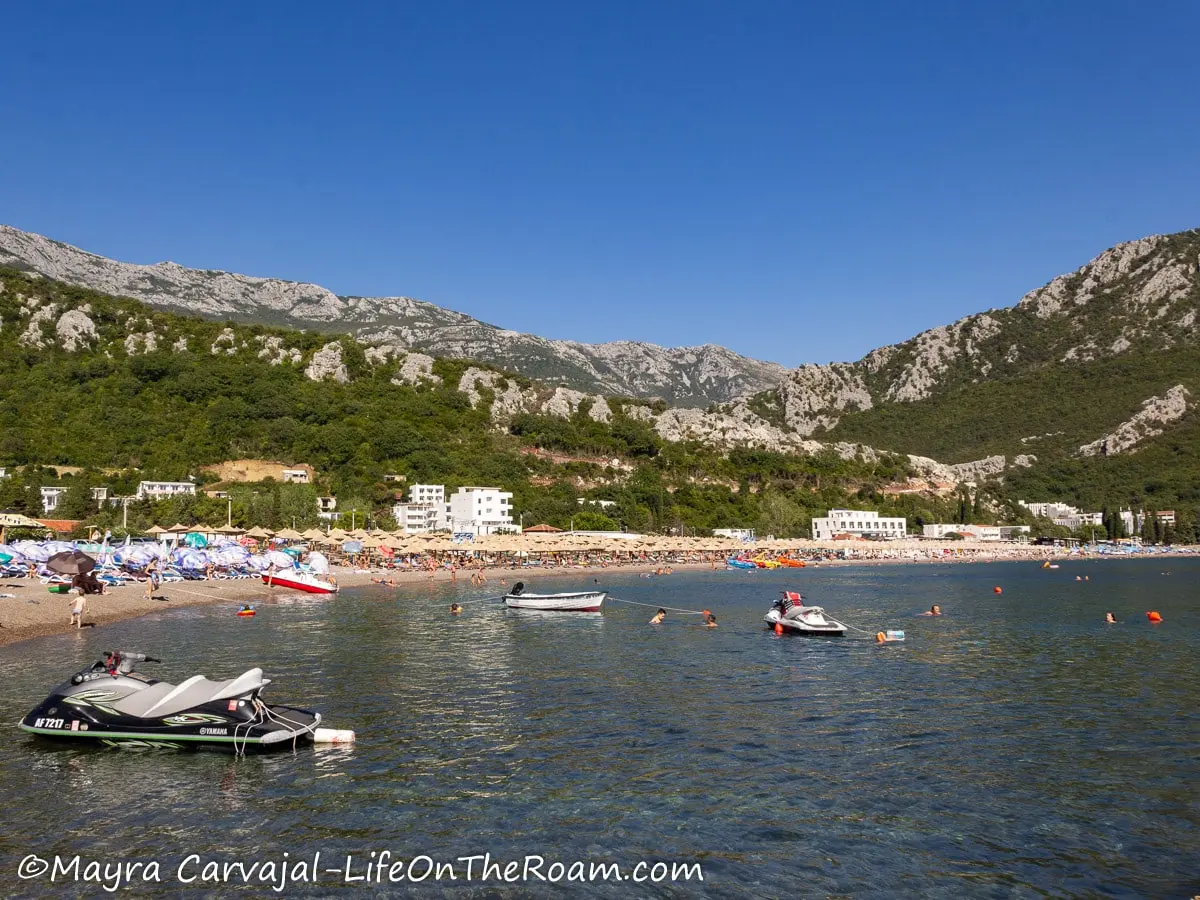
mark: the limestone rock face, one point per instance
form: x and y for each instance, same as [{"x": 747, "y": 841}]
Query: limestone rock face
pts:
[
  {"x": 415, "y": 369},
  {"x": 32, "y": 335},
  {"x": 1155, "y": 413},
  {"x": 328, "y": 363},
  {"x": 145, "y": 342},
  {"x": 226, "y": 343},
  {"x": 813, "y": 395},
  {"x": 272, "y": 349},
  {"x": 75, "y": 330}
]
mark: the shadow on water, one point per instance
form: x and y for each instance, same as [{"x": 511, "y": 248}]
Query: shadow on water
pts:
[{"x": 1013, "y": 746}]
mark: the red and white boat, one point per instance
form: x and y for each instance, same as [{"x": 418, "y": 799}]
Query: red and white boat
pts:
[
  {"x": 296, "y": 580},
  {"x": 577, "y": 601}
]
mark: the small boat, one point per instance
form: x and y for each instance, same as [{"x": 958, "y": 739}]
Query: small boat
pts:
[
  {"x": 766, "y": 563},
  {"x": 298, "y": 580},
  {"x": 789, "y": 563},
  {"x": 114, "y": 705},
  {"x": 575, "y": 601},
  {"x": 733, "y": 563},
  {"x": 790, "y": 613}
]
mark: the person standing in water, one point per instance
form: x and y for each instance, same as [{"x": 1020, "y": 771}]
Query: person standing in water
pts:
[
  {"x": 1110, "y": 619},
  {"x": 658, "y": 617},
  {"x": 78, "y": 605}
]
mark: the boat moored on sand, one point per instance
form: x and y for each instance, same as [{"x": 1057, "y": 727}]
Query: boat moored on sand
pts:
[
  {"x": 299, "y": 580},
  {"x": 790, "y": 614},
  {"x": 573, "y": 601}
]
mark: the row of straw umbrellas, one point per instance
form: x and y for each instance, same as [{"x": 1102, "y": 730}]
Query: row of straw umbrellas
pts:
[{"x": 538, "y": 543}]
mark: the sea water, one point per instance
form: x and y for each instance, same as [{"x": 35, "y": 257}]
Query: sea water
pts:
[{"x": 1014, "y": 746}]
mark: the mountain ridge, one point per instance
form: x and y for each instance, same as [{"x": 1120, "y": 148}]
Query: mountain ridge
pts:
[{"x": 691, "y": 376}]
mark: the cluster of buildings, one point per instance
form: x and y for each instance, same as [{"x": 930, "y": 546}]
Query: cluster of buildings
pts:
[
  {"x": 475, "y": 511},
  {"x": 1070, "y": 517},
  {"x": 146, "y": 490}
]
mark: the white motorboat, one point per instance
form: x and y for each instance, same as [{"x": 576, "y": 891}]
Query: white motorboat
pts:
[
  {"x": 574, "y": 601},
  {"x": 299, "y": 580},
  {"x": 790, "y": 613}
]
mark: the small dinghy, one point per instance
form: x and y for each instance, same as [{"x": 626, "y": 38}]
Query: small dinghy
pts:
[
  {"x": 790, "y": 613},
  {"x": 576, "y": 601}
]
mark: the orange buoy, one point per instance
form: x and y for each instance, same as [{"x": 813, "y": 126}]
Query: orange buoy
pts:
[
  {"x": 1153, "y": 616},
  {"x": 778, "y": 628},
  {"x": 245, "y": 612},
  {"x": 997, "y": 590},
  {"x": 880, "y": 637}
]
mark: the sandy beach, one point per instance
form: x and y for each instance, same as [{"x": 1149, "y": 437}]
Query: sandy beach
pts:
[{"x": 33, "y": 611}]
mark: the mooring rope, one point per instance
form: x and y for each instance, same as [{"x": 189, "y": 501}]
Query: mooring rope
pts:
[{"x": 694, "y": 612}]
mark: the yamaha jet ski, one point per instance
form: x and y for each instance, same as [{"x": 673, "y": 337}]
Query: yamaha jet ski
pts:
[
  {"x": 790, "y": 613},
  {"x": 114, "y": 705}
]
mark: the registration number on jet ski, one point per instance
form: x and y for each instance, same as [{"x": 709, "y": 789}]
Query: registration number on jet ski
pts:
[{"x": 50, "y": 723}]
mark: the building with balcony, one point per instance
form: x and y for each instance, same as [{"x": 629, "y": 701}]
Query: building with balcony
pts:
[
  {"x": 857, "y": 523},
  {"x": 480, "y": 511},
  {"x": 164, "y": 490}
]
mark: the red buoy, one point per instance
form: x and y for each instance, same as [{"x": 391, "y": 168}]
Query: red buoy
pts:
[
  {"x": 997, "y": 590},
  {"x": 1153, "y": 616},
  {"x": 778, "y": 628}
]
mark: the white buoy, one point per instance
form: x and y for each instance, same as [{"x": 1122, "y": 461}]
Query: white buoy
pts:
[{"x": 333, "y": 736}]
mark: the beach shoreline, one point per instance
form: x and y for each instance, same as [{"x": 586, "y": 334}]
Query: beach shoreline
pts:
[{"x": 34, "y": 612}]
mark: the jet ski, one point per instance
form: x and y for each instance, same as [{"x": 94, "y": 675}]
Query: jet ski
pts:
[
  {"x": 114, "y": 705},
  {"x": 790, "y": 613}
]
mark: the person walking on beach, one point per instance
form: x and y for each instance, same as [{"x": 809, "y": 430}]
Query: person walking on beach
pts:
[
  {"x": 78, "y": 605},
  {"x": 151, "y": 578}
]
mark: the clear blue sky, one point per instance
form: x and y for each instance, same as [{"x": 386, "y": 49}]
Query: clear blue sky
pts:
[{"x": 796, "y": 182}]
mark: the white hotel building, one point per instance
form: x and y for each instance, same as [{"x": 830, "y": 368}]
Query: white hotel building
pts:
[
  {"x": 859, "y": 523},
  {"x": 164, "y": 490},
  {"x": 480, "y": 511}
]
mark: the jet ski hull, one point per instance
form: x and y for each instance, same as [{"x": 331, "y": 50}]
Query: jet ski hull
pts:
[
  {"x": 128, "y": 709},
  {"x": 213, "y": 727},
  {"x": 798, "y": 626}
]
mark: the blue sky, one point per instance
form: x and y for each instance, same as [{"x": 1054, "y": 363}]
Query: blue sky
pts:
[{"x": 797, "y": 182}]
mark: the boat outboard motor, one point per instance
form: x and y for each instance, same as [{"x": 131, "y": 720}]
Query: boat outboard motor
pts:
[{"x": 517, "y": 588}]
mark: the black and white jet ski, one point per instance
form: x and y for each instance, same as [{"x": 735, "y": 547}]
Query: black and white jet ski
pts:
[
  {"x": 790, "y": 614},
  {"x": 114, "y": 705}
]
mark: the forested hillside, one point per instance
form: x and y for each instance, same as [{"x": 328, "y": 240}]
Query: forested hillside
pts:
[{"x": 110, "y": 384}]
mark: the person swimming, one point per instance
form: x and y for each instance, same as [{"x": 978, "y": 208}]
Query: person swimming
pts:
[
  {"x": 710, "y": 621},
  {"x": 658, "y": 617},
  {"x": 455, "y": 609},
  {"x": 1110, "y": 618},
  {"x": 934, "y": 610}
]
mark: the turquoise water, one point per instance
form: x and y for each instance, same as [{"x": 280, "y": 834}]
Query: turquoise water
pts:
[{"x": 1016, "y": 746}]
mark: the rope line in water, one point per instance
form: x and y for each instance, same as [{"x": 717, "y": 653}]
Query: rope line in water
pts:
[{"x": 694, "y": 612}]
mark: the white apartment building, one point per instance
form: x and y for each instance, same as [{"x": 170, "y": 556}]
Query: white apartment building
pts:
[
  {"x": 1050, "y": 510},
  {"x": 415, "y": 518},
  {"x": 50, "y": 498},
  {"x": 1077, "y": 520},
  {"x": 735, "y": 534},
  {"x": 427, "y": 493},
  {"x": 939, "y": 530},
  {"x": 164, "y": 490},
  {"x": 857, "y": 522},
  {"x": 480, "y": 511}
]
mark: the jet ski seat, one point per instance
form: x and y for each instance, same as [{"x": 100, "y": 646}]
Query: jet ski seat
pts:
[{"x": 163, "y": 699}]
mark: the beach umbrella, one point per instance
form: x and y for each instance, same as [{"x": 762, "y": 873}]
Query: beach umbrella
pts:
[
  {"x": 289, "y": 535},
  {"x": 195, "y": 540},
  {"x": 313, "y": 534},
  {"x": 71, "y": 562},
  {"x": 318, "y": 563},
  {"x": 279, "y": 559}
]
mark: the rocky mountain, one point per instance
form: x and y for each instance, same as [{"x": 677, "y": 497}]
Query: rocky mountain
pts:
[
  {"x": 690, "y": 376},
  {"x": 1101, "y": 334}
]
